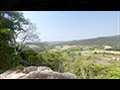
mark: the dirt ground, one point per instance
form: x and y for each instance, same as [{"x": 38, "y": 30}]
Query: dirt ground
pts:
[
  {"x": 64, "y": 47},
  {"x": 105, "y": 47},
  {"x": 67, "y": 46}
]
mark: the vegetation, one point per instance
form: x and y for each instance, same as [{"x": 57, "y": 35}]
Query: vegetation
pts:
[
  {"x": 76, "y": 60},
  {"x": 100, "y": 41},
  {"x": 114, "y": 49},
  {"x": 98, "y": 47},
  {"x": 90, "y": 70},
  {"x": 7, "y": 58},
  {"x": 75, "y": 49}
]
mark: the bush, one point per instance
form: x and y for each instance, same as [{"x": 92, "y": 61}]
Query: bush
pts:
[
  {"x": 91, "y": 48},
  {"x": 95, "y": 52},
  {"x": 114, "y": 49},
  {"x": 54, "y": 60},
  {"x": 30, "y": 57},
  {"x": 98, "y": 47},
  {"x": 90, "y": 70},
  {"x": 79, "y": 53}
]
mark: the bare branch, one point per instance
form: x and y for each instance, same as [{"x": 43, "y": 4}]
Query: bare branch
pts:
[
  {"x": 21, "y": 43},
  {"x": 24, "y": 36}
]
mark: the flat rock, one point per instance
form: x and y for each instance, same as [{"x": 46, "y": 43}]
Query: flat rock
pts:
[
  {"x": 36, "y": 72},
  {"x": 48, "y": 75}
]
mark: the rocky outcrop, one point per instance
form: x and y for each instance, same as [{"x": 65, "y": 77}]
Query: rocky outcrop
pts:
[{"x": 36, "y": 72}]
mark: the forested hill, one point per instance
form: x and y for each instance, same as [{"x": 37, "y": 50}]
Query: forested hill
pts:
[{"x": 113, "y": 41}]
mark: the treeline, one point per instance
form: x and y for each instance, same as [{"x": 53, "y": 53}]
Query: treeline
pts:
[
  {"x": 114, "y": 49},
  {"x": 100, "y": 41}
]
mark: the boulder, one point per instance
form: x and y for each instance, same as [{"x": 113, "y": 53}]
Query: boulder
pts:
[
  {"x": 11, "y": 74},
  {"x": 36, "y": 72},
  {"x": 29, "y": 69},
  {"x": 47, "y": 74}
]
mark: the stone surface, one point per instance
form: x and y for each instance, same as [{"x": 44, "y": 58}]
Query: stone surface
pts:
[
  {"x": 48, "y": 75},
  {"x": 36, "y": 72},
  {"x": 29, "y": 69}
]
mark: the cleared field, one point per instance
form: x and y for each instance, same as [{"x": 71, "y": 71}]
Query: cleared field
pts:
[
  {"x": 115, "y": 52},
  {"x": 33, "y": 46},
  {"x": 106, "y": 47},
  {"x": 67, "y": 46}
]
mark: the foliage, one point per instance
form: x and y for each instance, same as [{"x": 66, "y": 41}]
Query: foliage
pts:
[
  {"x": 54, "y": 59},
  {"x": 112, "y": 62},
  {"x": 30, "y": 57},
  {"x": 95, "y": 52},
  {"x": 98, "y": 47},
  {"x": 51, "y": 47},
  {"x": 79, "y": 54},
  {"x": 90, "y": 70},
  {"x": 111, "y": 41},
  {"x": 15, "y": 22},
  {"x": 91, "y": 48},
  {"x": 114, "y": 49},
  {"x": 109, "y": 53},
  {"x": 75, "y": 49},
  {"x": 7, "y": 58}
]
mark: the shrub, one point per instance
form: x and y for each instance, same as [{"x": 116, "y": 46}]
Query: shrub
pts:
[
  {"x": 114, "y": 49},
  {"x": 54, "y": 60},
  {"x": 90, "y": 70},
  {"x": 91, "y": 48},
  {"x": 79, "y": 53},
  {"x": 30, "y": 57},
  {"x": 95, "y": 52}
]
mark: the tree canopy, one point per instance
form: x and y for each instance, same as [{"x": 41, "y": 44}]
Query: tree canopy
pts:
[{"x": 16, "y": 21}]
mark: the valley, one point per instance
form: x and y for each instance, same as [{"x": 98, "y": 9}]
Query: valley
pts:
[{"x": 80, "y": 55}]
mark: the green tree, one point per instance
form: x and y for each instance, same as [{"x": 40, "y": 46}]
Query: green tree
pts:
[
  {"x": 95, "y": 52},
  {"x": 79, "y": 53},
  {"x": 7, "y": 59},
  {"x": 15, "y": 22},
  {"x": 8, "y": 29}
]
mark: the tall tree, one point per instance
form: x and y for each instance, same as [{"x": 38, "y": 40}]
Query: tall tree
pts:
[
  {"x": 16, "y": 21},
  {"x": 24, "y": 37}
]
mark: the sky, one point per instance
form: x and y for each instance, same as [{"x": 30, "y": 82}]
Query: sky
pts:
[{"x": 74, "y": 25}]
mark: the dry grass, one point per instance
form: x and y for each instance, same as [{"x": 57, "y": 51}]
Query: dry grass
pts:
[
  {"x": 106, "y": 47},
  {"x": 115, "y": 52}
]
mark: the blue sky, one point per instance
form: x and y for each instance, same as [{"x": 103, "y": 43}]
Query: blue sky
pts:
[{"x": 74, "y": 25}]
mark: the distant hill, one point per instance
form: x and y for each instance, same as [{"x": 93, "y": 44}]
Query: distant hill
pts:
[{"x": 113, "y": 41}]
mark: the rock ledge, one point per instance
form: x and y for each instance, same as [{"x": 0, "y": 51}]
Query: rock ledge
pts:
[{"x": 36, "y": 72}]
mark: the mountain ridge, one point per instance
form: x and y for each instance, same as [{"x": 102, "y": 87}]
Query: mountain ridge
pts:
[{"x": 113, "y": 41}]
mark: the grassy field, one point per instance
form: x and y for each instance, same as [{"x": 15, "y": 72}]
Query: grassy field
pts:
[
  {"x": 86, "y": 53},
  {"x": 33, "y": 46}
]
